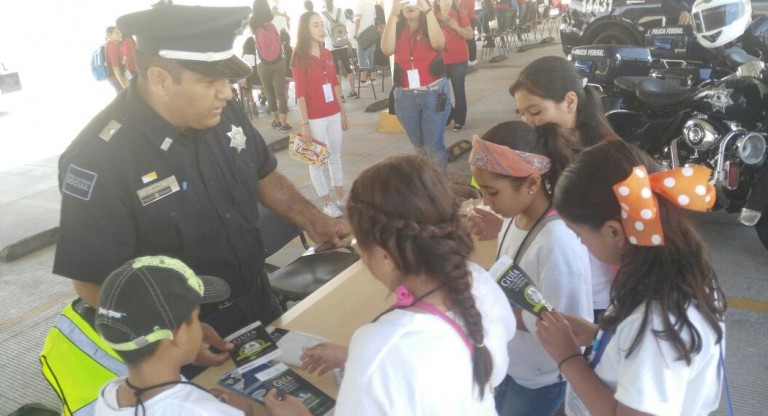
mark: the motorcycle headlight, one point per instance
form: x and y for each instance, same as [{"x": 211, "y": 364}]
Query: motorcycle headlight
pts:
[
  {"x": 700, "y": 135},
  {"x": 751, "y": 148}
]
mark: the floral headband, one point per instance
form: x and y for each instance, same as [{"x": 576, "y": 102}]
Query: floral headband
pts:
[
  {"x": 687, "y": 187},
  {"x": 505, "y": 161}
]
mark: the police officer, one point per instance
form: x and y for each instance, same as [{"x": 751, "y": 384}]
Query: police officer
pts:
[
  {"x": 677, "y": 11},
  {"x": 173, "y": 167}
]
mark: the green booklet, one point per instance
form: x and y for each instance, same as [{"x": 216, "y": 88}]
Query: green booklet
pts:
[
  {"x": 287, "y": 382},
  {"x": 518, "y": 286}
]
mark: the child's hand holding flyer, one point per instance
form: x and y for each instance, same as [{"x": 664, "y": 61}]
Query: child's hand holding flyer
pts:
[{"x": 518, "y": 287}]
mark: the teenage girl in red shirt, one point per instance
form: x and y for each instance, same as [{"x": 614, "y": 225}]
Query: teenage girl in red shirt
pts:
[
  {"x": 458, "y": 30},
  {"x": 322, "y": 114}
]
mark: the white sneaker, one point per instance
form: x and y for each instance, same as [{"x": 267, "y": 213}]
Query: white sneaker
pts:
[
  {"x": 364, "y": 83},
  {"x": 331, "y": 210},
  {"x": 472, "y": 63},
  {"x": 341, "y": 203}
]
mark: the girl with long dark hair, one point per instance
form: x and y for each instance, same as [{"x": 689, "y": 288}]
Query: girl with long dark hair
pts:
[
  {"x": 323, "y": 116},
  {"x": 657, "y": 348}
]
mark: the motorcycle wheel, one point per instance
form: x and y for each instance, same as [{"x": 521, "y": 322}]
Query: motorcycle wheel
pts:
[
  {"x": 762, "y": 229},
  {"x": 616, "y": 36}
]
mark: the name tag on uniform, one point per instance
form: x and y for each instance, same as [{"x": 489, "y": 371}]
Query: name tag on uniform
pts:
[
  {"x": 159, "y": 190},
  {"x": 328, "y": 92},
  {"x": 413, "y": 78}
]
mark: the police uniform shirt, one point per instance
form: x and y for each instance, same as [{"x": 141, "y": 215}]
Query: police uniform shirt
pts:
[{"x": 134, "y": 185}]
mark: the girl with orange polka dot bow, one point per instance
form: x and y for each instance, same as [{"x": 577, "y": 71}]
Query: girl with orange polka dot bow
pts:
[{"x": 658, "y": 348}]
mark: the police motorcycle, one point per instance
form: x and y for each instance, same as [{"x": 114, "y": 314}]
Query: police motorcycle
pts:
[{"x": 722, "y": 125}]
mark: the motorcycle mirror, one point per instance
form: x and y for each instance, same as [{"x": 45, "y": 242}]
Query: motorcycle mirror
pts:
[{"x": 751, "y": 69}]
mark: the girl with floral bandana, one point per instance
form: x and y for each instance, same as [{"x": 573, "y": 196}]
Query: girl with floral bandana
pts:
[
  {"x": 658, "y": 347},
  {"x": 517, "y": 166}
]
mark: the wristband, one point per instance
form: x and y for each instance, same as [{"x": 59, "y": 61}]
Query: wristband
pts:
[{"x": 560, "y": 364}]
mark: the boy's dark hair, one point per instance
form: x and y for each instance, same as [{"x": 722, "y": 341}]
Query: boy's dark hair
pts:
[
  {"x": 551, "y": 78},
  {"x": 673, "y": 276},
  {"x": 560, "y": 145},
  {"x": 421, "y": 230}
]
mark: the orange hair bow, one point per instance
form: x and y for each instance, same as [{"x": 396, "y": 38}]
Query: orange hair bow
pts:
[{"x": 687, "y": 187}]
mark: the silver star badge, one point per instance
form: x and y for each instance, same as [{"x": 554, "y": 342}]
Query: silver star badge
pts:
[
  {"x": 238, "y": 138},
  {"x": 720, "y": 98}
]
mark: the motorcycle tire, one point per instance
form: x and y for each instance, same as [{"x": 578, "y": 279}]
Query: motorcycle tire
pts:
[
  {"x": 616, "y": 36},
  {"x": 762, "y": 229}
]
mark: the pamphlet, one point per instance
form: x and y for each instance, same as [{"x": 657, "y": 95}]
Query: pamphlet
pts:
[
  {"x": 246, "y": 383},
  {"x": 253, "y": 347},
  {"x": 291, "y": 344},
  {"x": 287, "y": 382},
  {"x": 518, "y": 286}
]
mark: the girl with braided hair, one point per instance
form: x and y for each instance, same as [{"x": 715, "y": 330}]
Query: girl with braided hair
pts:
[
  {"x": 517, "y": 167},
  {"x": 442, "y": 346},
  {"x": 656, "y": 351}
]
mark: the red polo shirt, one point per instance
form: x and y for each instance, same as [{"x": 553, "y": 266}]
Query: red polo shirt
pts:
[
  {"x": 309, "y": 80},
  {"x": 469, "y": 7},
  {"x": 128, "y": 51},
  {"x": 415, "y": 44},
  {"x": 112, "y": 55},
  {"x": 455, "y": 47}
]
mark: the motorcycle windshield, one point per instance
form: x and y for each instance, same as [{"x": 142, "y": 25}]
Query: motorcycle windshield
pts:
[{"x": 718, "y": 17}]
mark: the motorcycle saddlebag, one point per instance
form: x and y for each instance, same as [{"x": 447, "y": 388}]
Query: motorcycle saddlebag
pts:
[
  {"x": 601, "y": 64},
  {"x": 674, "y": 42}
]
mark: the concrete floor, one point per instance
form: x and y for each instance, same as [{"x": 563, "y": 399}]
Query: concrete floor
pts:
[{"x": 31, "y": 296}]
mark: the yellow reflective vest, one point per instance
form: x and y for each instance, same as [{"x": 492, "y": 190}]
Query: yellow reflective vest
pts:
[{"x": 77, "y": 363}]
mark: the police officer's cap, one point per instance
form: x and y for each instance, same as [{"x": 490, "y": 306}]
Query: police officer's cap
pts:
[{"x": 197, "y": 38}]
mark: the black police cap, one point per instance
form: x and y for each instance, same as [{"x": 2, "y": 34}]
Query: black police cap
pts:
[{"x": 197, "y": 38}]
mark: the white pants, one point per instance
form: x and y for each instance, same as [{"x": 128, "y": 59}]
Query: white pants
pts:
[{"x": 327, "y": 130}]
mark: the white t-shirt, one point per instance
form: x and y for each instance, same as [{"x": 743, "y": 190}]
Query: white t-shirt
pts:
[
  {"x": 329, "y": 24},
  {"x": 558, "y": 264},
  {"x": 367, "y": 12},
  {"x": 651, "y": 380},
  {"x": 182, "y": 399},
  {"x": 602, "y": 279},
  {"x": 415, "y": 364}
]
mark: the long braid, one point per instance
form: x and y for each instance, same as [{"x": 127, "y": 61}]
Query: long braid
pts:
[{"x": 405, "y": 206}]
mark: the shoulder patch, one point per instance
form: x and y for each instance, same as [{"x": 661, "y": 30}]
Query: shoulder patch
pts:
[{"x": 79, "y": 182}]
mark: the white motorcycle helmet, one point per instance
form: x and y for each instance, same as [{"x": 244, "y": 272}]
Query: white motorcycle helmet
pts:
[{"x": 717, "y": 22}]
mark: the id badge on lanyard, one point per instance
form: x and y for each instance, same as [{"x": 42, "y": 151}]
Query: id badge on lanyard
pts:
[
  {"x": 414, "y": 81},
  {"x": 573, "y": 404},
  {"x": 413, "y": 78},
  {"x": 328, "y": 92}
]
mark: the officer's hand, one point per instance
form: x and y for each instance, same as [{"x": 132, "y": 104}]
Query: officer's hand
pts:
[
  {"x": 685, "y": 18},
  {"x": 327, "y": 229},
  {"x": 211, "y": 338}
]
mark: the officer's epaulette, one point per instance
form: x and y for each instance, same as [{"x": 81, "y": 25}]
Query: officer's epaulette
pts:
[{"x": 109, "y": 130}]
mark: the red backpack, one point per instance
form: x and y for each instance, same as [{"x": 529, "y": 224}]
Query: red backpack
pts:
[{"x": 268, "y": 43}]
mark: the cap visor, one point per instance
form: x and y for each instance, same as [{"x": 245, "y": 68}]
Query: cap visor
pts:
[
  {"x": 230, "y": 68},
  {"x": 216, "y": 290}
]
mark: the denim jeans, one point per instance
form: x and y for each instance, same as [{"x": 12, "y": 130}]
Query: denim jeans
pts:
[
  {"x": 513, "y": 399},
  {"x": 417, "y": 112},
  {"x": 457, "y": 73}
]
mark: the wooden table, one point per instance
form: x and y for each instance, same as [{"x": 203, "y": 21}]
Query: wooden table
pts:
[{"x": 335, "y": 311}]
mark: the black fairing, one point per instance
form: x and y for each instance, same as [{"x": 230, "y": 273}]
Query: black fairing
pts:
[
  {"x": 755, "y": 38},
  {"x": 741, "y": 100}
]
